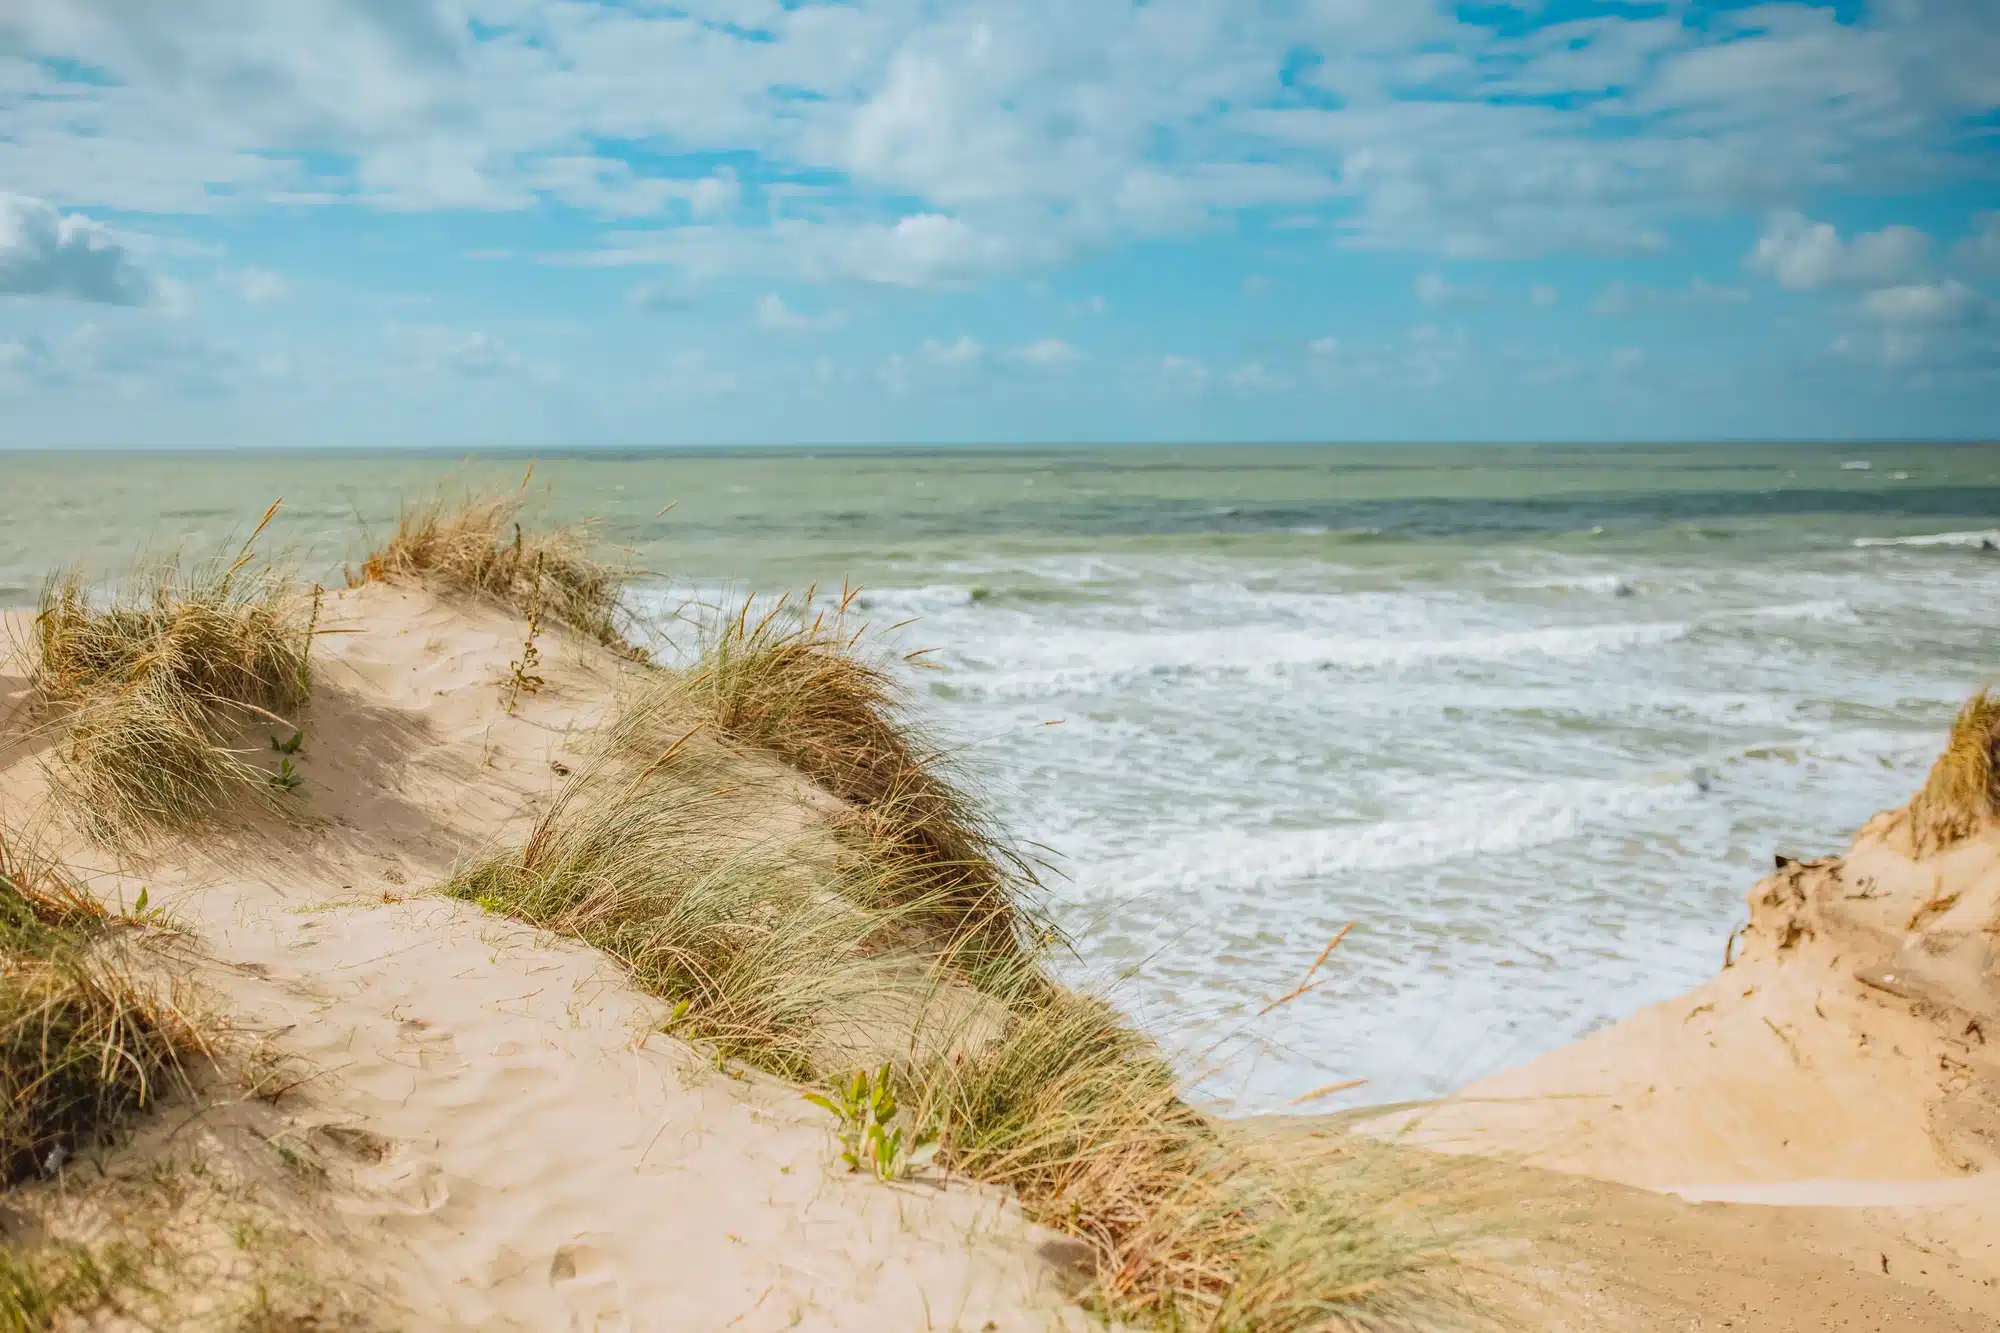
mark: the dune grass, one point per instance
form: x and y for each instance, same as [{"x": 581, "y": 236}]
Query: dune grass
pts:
[
  {"x": 149, "y": 687},
  {"x": 1962, "y": 792},
  {"x": 804, "y": 684},
  {"x": 793, "y": 961},
  {"x": 475, "y": 545},
  {"x": 764, "y": 955},
  {"x": 81, "y": 1042}
]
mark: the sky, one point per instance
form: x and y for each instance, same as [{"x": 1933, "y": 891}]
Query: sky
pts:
[{"x": 482, "y": 223}]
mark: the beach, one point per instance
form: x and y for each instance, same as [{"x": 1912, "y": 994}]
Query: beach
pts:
[{"x": 1788, "y": 1122}]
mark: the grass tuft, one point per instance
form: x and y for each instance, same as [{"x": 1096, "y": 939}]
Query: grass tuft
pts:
[
  {"x": 81, "y": 1042},
  {"x": 1962, "y": 792},
  {"x": 476, "y": 546},
  {"x": 799, "y": 683},
  {"x": 1189, "y": 1224},
  {"x": 762, "y": 962},
  {"x": 149, "y": 686}
]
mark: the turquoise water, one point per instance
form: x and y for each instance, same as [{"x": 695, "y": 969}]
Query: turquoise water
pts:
[{"x": 1533, "y": 718}]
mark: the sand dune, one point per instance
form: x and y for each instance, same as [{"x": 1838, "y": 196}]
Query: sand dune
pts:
[
  {"x": 511, "y": 1141},
  {"x": 504, "y": 1138}
]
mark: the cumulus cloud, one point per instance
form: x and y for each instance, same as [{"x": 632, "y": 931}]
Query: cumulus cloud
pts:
[
  {"x": 773, "y": 313},
  {"x": 1621, "y": 298},
  {"x": 1252, "y": 377},
  {"x": 1980, "y": 248},
  {"x": 470, "y": 353},
  {"x": 961, "y": 351},
  {"x": 1432, "y": 289},
  {"x": 260, "y": 286},
  {"x": 660, "y": 298},
  {"x": 1946, "y": 304},
  {"x": 1803, "y": 255},
  {"x": 44, "y": 252},
  {"x": 1047, "y": 353}
]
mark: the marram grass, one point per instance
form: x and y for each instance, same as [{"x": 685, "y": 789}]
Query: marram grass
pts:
[
  {"x": 82, "y": 1042},
  {"x": 477, "y": 546},
  {"x": 800, "y": 683},
  {"x": 1962, "y": 793},
  {"x": 149, "y": 688}
]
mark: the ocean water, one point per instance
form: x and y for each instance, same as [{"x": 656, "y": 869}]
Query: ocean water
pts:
[{"x": 1532, "y": 719}]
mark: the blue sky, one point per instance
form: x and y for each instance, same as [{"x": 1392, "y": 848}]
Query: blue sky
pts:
[{"x": 519, "y": 222}]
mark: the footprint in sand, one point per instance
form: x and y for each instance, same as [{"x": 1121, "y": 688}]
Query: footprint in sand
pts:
[{"x": 588, "y": 1282}]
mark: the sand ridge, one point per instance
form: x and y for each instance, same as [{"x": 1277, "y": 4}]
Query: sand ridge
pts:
[{"x": 511, "y": 1139}]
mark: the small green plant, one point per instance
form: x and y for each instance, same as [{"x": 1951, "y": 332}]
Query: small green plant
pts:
[
  {"x": 144, "y": 911},
  {"x": 870, "y": 1139},
  {"x": 287, "y": 778},
  {"x": 291, "y": 746}
]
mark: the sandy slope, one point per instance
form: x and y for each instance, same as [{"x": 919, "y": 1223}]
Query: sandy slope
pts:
[
  {"x": 515, "y": 1145},
  {"x": 1815, "y": 1134}
]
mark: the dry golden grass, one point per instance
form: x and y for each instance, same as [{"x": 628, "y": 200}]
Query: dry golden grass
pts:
[
  {"x": 1962, "y": 792},
  {"x": 762, "y": 959},
  {"x": 475, "y": 545},
  {"x": 149, "y": 688},
  {"x": 1189, "y": 1226},
  {"x": 800, "y": 683},
  {"x": 81, "y": 1042},
  {"x": 791, "y": 961}
]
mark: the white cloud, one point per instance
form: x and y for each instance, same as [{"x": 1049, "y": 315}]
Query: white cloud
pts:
[
  {"x": 472, "y": 353},
  {"x": 773, "y": 313},
  {"x": 961, "y": 351},
  {"x": 1256, "y": 285},
  {"x": 125, "y": 361},
  {"x": 1184, "y": 371},
  {"x": 1047, "y": 352},
  {"x": 1432, "y": 289},
  {"x": 1620, "y": 298},
  {"x": 1804, "y": 255},
  {"x": 692, "y": 374},
  {"x": 260, "y": 286},
  {"x": 1542, "y": 294},
  {"x": 660, "y": 298},
  {"x": 44, "y": 252},
  {"x": 1252, "y": 377},
  {"x": 1944, "y": 304},
  {"x": 1425, "y": 357},
  {"x": 1980, "y": 248},
  {"x": 1044, "y": 130}
]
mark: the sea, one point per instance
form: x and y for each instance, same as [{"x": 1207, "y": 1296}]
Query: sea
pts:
[{"x": 1525, "y": 722}]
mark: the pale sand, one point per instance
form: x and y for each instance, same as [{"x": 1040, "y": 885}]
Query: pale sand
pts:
[
  {"x": 1831, "y": 1099},
  {"x": 1785, "y": 1148},
  {"x": 534, "y": 1154}
]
